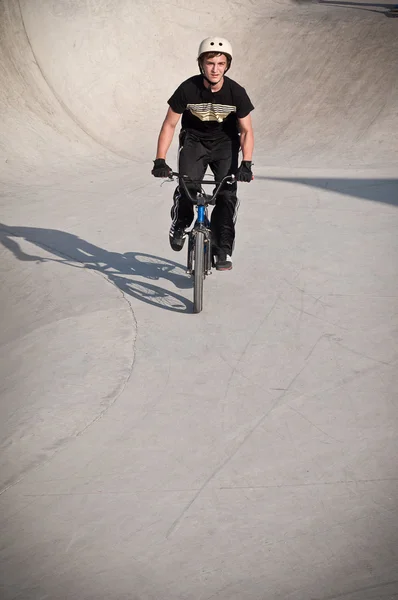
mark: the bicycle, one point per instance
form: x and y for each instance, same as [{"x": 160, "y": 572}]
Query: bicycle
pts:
[{"x": 200, "y": 257}]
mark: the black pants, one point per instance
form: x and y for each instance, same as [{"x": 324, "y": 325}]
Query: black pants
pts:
[{"x": 222, "y": 157}]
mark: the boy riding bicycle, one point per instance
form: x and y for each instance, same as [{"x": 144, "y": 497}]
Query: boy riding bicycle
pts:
[{"x": 216, "y": 124}]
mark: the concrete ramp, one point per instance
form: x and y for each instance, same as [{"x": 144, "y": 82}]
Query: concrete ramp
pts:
[
  {"x": 246, "y": 453},
  {"x": 322, "y": 76}
]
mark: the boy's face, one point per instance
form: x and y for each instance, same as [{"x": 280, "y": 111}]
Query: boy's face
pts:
[{"x": 214, "y": 68}]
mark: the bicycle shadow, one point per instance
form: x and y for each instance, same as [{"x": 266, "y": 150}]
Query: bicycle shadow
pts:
[{"x": 121, "y": 269}]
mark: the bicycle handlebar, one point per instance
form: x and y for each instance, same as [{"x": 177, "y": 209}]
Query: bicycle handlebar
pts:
[{"x": 184, "y": 179}]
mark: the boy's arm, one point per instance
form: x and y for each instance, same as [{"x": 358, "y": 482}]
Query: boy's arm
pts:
[
  {"x": 246, "y": 137},
  {"x": 160, "y": 167},
  {"x": 167, "y": 133},
  {"x": 244, "y": 172}
]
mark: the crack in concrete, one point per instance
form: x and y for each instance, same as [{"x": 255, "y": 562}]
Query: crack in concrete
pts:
[{"x": 120, "y": 389}]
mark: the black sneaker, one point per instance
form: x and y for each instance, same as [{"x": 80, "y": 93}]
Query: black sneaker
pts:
[
  {"x": 177, "y": 238},
  {"x": 223, "y": 261}
]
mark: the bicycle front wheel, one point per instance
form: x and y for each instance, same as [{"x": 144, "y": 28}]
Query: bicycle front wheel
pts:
[{"x": 199, "y": 271}]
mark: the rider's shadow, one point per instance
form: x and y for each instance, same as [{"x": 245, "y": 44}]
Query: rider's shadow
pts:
[{"x": 129, "y": 271}]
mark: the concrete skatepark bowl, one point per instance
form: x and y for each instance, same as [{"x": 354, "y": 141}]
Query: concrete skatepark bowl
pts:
[{"x": 246, "y": 453}]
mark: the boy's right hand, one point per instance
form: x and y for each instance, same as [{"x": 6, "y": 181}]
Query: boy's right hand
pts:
[{"x": 160, "y": 168}]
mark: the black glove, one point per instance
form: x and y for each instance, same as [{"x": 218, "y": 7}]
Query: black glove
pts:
[
  {"x": 160, "y": 168},
  {"x": 244, "y": 172}
]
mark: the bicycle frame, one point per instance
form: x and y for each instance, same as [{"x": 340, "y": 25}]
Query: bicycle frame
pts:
[
  {"x": 202, "y": 201},
  {"x": 200, "y": 256}
]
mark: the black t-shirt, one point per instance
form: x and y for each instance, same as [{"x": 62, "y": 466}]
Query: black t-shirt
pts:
[{"x": 211, "y": 115}]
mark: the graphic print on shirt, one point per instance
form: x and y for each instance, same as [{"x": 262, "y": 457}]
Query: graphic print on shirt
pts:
[{"x": 211, "y": 112}]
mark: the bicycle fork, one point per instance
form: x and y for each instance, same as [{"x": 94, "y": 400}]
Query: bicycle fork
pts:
[{"x": 202, "y": 224}]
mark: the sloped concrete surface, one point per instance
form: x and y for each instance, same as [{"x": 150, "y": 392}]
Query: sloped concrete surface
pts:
[{"x": 246, "y": 453}]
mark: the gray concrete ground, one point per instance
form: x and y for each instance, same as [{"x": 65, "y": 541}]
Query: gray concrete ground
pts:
[{"x": 246, "y": 453}]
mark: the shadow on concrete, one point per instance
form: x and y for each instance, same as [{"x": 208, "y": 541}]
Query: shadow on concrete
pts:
[
  {"x": 388, "y": 10},
  {"x": 117, "y": 268},
  {"x": 375, "y": 190}
]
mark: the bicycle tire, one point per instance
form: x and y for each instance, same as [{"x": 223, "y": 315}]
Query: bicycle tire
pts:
[{"x": 199, "y": 271}]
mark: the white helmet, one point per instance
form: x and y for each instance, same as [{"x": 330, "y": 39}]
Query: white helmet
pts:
[{"x": 215, "y": 44}]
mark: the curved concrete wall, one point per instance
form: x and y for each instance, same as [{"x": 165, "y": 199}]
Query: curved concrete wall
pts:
[{"x": 322, "y": 77}]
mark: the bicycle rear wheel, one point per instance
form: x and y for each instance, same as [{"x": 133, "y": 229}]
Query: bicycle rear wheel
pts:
[{"x": 199, "y": 271}]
